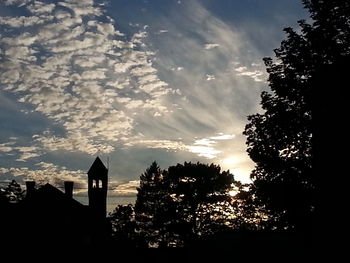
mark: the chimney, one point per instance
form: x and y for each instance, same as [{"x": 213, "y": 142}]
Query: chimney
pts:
[
  {"x": 68, "y": 188},
  {"x": 30, "y": 186}
]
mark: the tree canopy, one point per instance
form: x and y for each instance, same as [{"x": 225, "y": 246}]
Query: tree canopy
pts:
[
  {"x": 280, "y": 140},
  {"x": 182, "y": 203},
  {"x": 12, "y": 193}
]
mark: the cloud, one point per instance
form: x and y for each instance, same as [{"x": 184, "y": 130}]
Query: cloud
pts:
[
  {"x": 74, "y": 142},
  {"x": 163, "y": 31},
  {"x": 176, "y": 69},
  {"x": 222, "y": 136},
  {"x": 126, "y": 189},
  {"x": 208, "y": 147},
  {"x": 21, "y": 21},
  {"x": 256, "y": 75},
  {"x": 6, "y": 147},
  {"x": 24, "y": 152},
  {"x": 215, "y": 99},
  {"x": 204, "y": 147},
  {"x": 204, "y": 151},
  {"x": 210, "y": 77},
  {"x": 211, "y": 46},
  {"x": 27, "y": 155},
  {"x": 159, "y": 144},
  {"x": 101, "y": 87},
  {"x": 71, "y": 65}
]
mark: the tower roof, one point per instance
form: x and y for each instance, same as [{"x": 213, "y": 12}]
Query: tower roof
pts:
[{"x": 97, "y": 167}]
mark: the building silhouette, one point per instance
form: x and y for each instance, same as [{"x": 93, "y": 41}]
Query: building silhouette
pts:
[
  {"x": 97, "y": 188},
  {"x": 51, "y": 219}
]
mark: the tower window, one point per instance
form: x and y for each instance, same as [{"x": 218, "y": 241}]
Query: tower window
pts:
[{"x": 95, "y": 183}]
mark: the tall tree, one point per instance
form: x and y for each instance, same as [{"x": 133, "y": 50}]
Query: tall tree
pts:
[
  {"x": 176, "y": 206},
  {"x": 199, "y": 198},
  {"x": 123, "y": 227},
  {"x": 150, "y": 199},
  {"x": 280, "y": 140}
]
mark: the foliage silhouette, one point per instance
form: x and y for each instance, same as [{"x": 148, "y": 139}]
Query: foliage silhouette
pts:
[
  {"x": 280, "y": 141},
  {"x": 123, "y": 227},
  {"x": 13, "y": 193},
  {"x": 150, "y": 201},
  {"x": 183, "y": 203}
]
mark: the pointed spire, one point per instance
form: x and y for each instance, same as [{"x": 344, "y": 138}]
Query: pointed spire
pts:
[{"x": 97, "y": 166}]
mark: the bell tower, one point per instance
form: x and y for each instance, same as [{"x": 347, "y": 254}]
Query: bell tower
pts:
[{"x": 97, "y": 188}]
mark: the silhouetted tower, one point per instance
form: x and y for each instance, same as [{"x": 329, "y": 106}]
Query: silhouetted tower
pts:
[{"x": 97, "y": 188}]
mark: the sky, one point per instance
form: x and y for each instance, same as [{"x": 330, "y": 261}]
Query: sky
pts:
[{"x": 131, "y": 81}]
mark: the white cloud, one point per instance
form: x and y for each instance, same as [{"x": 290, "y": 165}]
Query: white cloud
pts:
[
  {"x": 210, "y": 77},
  {"x": 21, "y": 21},
  {"x": 160, "y": 144},
  {"x": 211, "y": 46},
  {"x": 11, "y": 76},
  {"x": 27, "y": 155},
  {"x": 223, "y": 137},
  {"x": 16, "y": 2},
  {"x": 143, "y": 70},
  {"x": 93, "y": 74},
  {"x": 38, "y": 7},
  {"x": 256, "y": 74},
  {"x": 126, "y": 189},
  {"x": 134, "y": 104},
  {"x": 82, "y": 8},
  {"x": 176, "y": 68},
  {"x": 74, "y": 142},
  {"x": 24, "y": 152},
  {"x": 204, "y": 142},
  {"x": 204, "y": 147},
  {"x": 204, "y": 151},
  {"x": 6, "y": 147}
]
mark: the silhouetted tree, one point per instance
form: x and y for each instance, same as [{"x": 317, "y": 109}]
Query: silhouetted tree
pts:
[
  {"x": 12, "y": 193},
  {"x": 177, "y": 206},
  {"x": 150, "y": 200},
  {"x": 123, "y": 226},
  {"x": 280, "y": 139},
  {"x": 9, "y": 197},
  {"x": 200, "y": 194},
  {"x": 246, "y": 214}
]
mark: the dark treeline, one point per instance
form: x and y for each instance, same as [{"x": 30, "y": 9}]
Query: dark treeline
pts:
[
  {"x": 177, "y": 207},
  {"x": 195, "y": 205}
]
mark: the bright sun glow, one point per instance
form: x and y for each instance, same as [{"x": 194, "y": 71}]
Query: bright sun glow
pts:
[
  {"x": 230, "y": 161},
  {"x": 234, "y": 163}
]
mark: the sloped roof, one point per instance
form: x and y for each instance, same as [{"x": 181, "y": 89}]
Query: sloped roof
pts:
[
  {"x": 98, "y": 167},
  {"x": 51, "y": 196}
]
